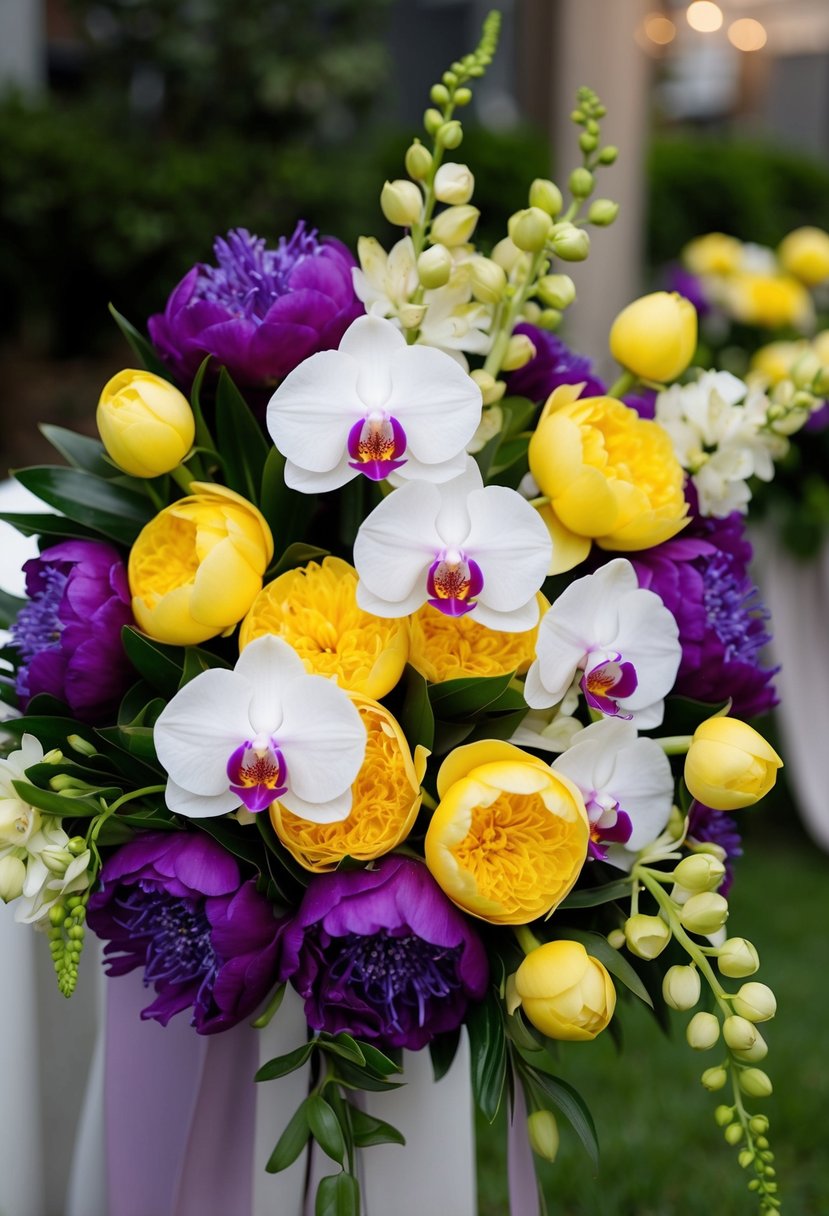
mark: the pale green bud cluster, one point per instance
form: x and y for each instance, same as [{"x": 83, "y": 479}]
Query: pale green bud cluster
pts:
[{"x": 66, "y": 937}]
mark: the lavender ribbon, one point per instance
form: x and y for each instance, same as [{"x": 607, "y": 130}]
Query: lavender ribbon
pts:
[{"x": 523, "y": 1188}]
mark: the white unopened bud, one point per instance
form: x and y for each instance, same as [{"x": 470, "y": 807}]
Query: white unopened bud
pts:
[
  {"x": 701, "y": 872},
  {"x": 557, "y": 290},
  {"x": 756, "y": 1002},
  {"x": 519, "y": 352},
  {"x": 401, "y": 203},
  {"x": 507, "y": 254},
  {"x": 646, "y": 936},
  {"x": 529, "y": 229},
  {"x": 739, "y": 1033},
  {"x": 704, "y": 913},
  {"x": 12, "y": 876},
  {"x": 702, "y": 1031},
  {"x": 602, "y": 212},
  {"x": 487, "y": 280},
  {"x": 758, "y": 1050},
  {"x": 454, "y": 183},
  {"x": 546, "y": 195},
  {"x": 434, "y": 266},
  {"x": 455, "y": 225},
  {"x": 737, "y": 957},
  {"x": 418, "y": 161},
  {"x": 492, "y": 390},
  {"x": 681, "y": 987},
  {"x": 755, "y": 1083},
  {"x": 56, "y": 860}
]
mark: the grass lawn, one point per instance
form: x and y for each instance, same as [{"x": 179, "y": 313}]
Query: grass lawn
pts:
[{"x": 661, "y": 1152}]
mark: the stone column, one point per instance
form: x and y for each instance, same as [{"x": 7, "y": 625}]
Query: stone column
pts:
[{"x": 22, "y": 46}]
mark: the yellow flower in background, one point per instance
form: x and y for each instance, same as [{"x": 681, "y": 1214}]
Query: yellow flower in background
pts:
[
  {"x": 196, "y": 568},
  {"x": 145, "y": 423},
  {"x": 768, "y": 300},
  {"x": 804, "y": 253},
  {"x": 655, "y": 337},
  {"x": 820, "y": 345},
  {"x": 386, "y": 798},
  {"x": 729, "y": 765},
  {"x": 713, "y": 254},
  {"x": 610, "y": 476},
  {"x": 509, "y": 836},
  {"x": 314, "y": 608},
  {"x": 452, "y": 647},
  {"x": 775, "y": 361},
  {"x": 564, "y": 991}
]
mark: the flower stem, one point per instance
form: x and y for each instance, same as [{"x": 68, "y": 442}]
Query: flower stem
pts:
[
  {"x": 183, "y": 476},
  {"x": 526, "y": 940},
  {"x": 623, "y": 385},
  {"x": 675, "y": 745}
]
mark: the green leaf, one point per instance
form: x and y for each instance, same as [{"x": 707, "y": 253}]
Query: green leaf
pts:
[
  {"x": 416, "y": 716},
  {"x": 443, "y": 1050},
  {"x": 614, "y": 960},
  {"x": 160, "y": 665},
  {"x": 469, "y": 695},
  {"x": 112, "y": 510},
  {"x": 683, "y": 715},
  {"x": 287, "y": 511},
  {"x": 55, "y": 804},
  {"x": 353, "y": 1077},
  {"x": 297, "y": 554},
  {"x": 325, "y": 1128},
  {"x": 136, "y": 740},
  {"x": 574, "y": 1108},
  {"x": 280, "y": 1066},
  {"x": 140, "y": 346},
  {"x": 518, "y": 414},
  {"x": 292, "y": 1141},
  {"x": 203, "y": 437},
  {"x": 80, "y": 451},
  {"x": 338, "y": 1195},
  {"x": 377, "y": 1060},
  {"x": 197, "y": 661},
  {"x": 486, "y": 455},
  {"x": 487, "y": 1041},
  {"x": 368, "y": 1130},
  {"x": 239, "y": 440},
  {"x": 342, "y": 1045},
  {"x": 591, "y": 897},
  {"x": 10, "y": 605},
  {"x": 43, "y": 523}
]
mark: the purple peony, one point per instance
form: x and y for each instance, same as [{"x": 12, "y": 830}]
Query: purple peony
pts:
[
  {"x": 174, "y": 904},
  {"x": 383, "y": 955},
  {"x": 554, "y": 364},
  {"x": 707, "y": 826},
  {"x": 680, "y": 280},
  {"x": 69, "y": 634},
  {"x": 702, "y": 577},
  {"x": 259, "y": 311}
]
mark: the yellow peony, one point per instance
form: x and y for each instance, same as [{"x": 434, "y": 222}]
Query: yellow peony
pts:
[
  {"x": 145, "y": 423},
  {"x": 769, "y": 300},
  {"x": 452, "y": 647},
  {"x": 729, "y": 765},
  {"x": 509, "y": 836},
  {"x": 609, "y": 475},
  {"x": 715, "y": 253},
  {"x": 655, "y": 337},
  {"x": 314, "y": 608},
  {"x": 804, "y": 253},
  {"x": 196, "y": 568},
  {"x": 564, "y": 991},
  {"x": 386, "y": 798}
]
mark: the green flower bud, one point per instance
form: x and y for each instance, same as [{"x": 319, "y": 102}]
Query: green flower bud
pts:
[
  {"x": 57, "y": 915},
  {"x": 723, "y": 1115},
  {"x": 557, "y": 290},
  {"x": 608, "y": 155},
  {"x": 487, "y": 280},
  {"x": 700, "y": 872},
  {"x": 55, "y": 756},
  {"x": 805, "y": 370},
  {"x": 576, "y": 116},
  {"x": 56, "y": 860},
  {"x": 77, "y": 845},
  {"x": 432, "y": 121},
  {"x": 12, "y": 877},
  {"x": 603, "y": 212},
  {"x": 756, "y": 1002},
  {"x": 529, "y": 229},
  {"x": 543, "y": 1134},
  {"x": 681, "y": 987},
  {"x": 739, "y": 1033},
  {"x": 745, "y": 1158},
  {"x": 454, "y": 226},
  {"x": 434, "y": 266},
  {"x": 581, "y": 182},
  {"x": 549, "y": 318},
  {"x": 450, "y": 134},
  {"x": 737, "y": 957},
  {"x": 439, "y": 94},
  {"x": 714, "y": 1078},
  {"x": 588, "y": 142},
  {"x": 704, "y": 913},
  {"x": 546, "y": 195},
  {"x": 758, "y": 1050},
  {"x": 733, "y": 1134},
  {"x": 755, "y": 1083},
  {"x": 411, "y": 315},
  {"x": 531, "y": 311},
  {"x": 702, "y": 1031},
  {"x": 418, "y": 161},
  {"x": 759, "y": 1125},
  {"x": 616, "y": 939},
  {"x": 492, "y": 390},
  {"x": 572, "y": 244},
  {"x": 79, "y": 745},
  {"x": 401, "y": 203},
  {"x": 519, "y": 352},
  {"x": 454, "y": 183},
  {"x": 463, "y": 97},
  {"x": 646, "y": 936}
]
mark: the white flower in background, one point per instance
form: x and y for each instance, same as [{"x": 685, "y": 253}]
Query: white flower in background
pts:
[
  {"x": 52, "y": 871},
  {"x": 460, "y": 546},
  {"x": 627, "y": 786},
  {"x": 720, "y": 433},
  {"x": 18, "y": 821},
  {"x": 617, "y": 640},
  {"x": 550, "y": 730},
  {"x": 374, "y": 406},
  {"x": 265, "y": 731},
  {"x": 386, "y": 281}
]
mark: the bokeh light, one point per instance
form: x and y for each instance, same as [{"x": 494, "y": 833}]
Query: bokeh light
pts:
[
  {"x": 746, "y": 34},
  {"x": 704, "y": 16},
  {"x": 659, "y": 29}
]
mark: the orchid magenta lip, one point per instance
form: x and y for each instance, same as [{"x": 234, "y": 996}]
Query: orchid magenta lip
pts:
[
  {"x": 453, "y": 582},
  {"x": 375, "y": 444},
  {"x": 257, "y": 773},
  {"x": 607, "y": 683}
]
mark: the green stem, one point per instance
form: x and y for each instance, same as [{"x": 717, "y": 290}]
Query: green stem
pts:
[
  {"x": 526, "y": 940},
  {"x": 266, "y": 1016},
  {"x": 154, "y": 496},
  {"x": 499, "y": 347},
  {"x": 428, "y": 801},
  {"x": 689, "y": 945},
  {"x": 675, "y": 745},
  {"x": 183, "y": 477},
  {"x": 623, "y": 385}
]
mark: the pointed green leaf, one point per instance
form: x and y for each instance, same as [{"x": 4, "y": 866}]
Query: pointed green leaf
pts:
[
  {"x": 159, "y": 665},
  {"x": 140, "y": 346},
  {"x": 574, "y": 1108},
  {"x": 80, "y": 451},
  {"x": 377, "y": 1060},
  {"x": 298, "y": 554},
  {"x": 287, "y": 511},
  {"x": 56, "y": 804},
  {"x": 203, "y": 437},
  {"x": 280, "y": 1066},
  {"x": 368, "y": 1130},
  {"x": 239, "y": 440},
  {"x": 112, "y": 510},
  {"x": 338, "y": 1195},
  {"x": 342, "y": 1045},
  {"x": 460, "y": 698},
  {"x": 353, "y": 1077},
  {"x": 10, "y": 605},
  {"x": 591, "y": 897},
  {"x": 43, "y": 523},
  {"x": 291, "y": 1142},
  {"x": 416, "y": 716},
  {"x": 487, "y": 1041},
  {"x": 325, "y": 1128},
  {"x": 443, "y": 1050}
]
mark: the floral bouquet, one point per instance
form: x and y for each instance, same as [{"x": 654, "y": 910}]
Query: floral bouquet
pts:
[{"x": 417, "y": 688}]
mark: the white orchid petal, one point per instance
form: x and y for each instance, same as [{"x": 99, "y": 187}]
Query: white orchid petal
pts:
[
  {"x": 517, "y": 620},
  {"x": 398, "y": 541},
  {"x": 322, "y": 738},
  {"x": 648, "y": 637},
  {"x": 648, "y": 717},
  {"x": 394, "y": 609},
  {"x": 453, "y": 520},
  {"x": 510, "y": 542},
  {"x": 415, "y": 470},
  {"x": 307, "y": 482},
  {"x": 201, "y": 727},
  {"x": 435, "y": 401},
  {"x": 268, "y": 664},
  {"x": 199, "y": 806},
  {"x": 333, "y": 811},
  {"x": 373, "y": 344},
  {"x": 310, "y": 414}
]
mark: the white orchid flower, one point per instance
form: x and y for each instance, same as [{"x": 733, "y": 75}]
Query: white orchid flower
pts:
[
  {"x": 460, "y": 546},
  {"x": 374, "y": 406},
  {"x": 266, "y": 731},
  {"x": 621, "y": 638},
  {"x": 627, "y": 787}
]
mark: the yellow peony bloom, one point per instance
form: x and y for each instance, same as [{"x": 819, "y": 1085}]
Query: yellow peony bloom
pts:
[
  {"x": 315, "y": 609},
  {"x": 610, "y": 476},
  {"x": 715, "y": 253},
  {"x": 655, "y": 337},
  {"x": 386, "y": 798},
  {"x": 145, "y": 423},
  {"x": 452, "y": 647},
  {"x": 729, "y": 765},
  {"x": 564, "y": 991},
  {"x": 768, "y": 300},
  {"x": 509, "y": 837},
  {"x": 775, "y": 361},
  {"x": 196, "y": 568},
  {"x": 804, "y": 253}
]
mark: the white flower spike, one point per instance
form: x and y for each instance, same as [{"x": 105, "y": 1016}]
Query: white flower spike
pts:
[
  {"x": 460, "y": 546},
  {"x": 617, "y": 641},
  {"x": 266, "y": 731},
  {"x": 374, "y": 406}
]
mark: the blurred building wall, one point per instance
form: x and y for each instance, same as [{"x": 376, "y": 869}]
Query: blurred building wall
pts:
[{"x": 22, "y": 59}]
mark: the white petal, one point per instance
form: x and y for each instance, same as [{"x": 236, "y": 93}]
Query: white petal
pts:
[
  {"x": 198, "y": 806},
  {"x": 591, "y": 760},
  {"x": 648, "y": 637},
  {"x": 333, "y": 811},
  {"x": 519, "y": 620},
  {"x": 199, "y": 730},
  {"x": 268, "y": 664},
  {"x": 536, "y": 693},
  {"x": 398, "y": 541},
  {"x": 453, "y": 520},
  {"x": 643, "y": 785},
  {"x": 372, "y": 343},
  {"x": 510, "y": 542},
  {"x": 435, "y": 401},
  {"x": 310, "y": 414},
  {"x": 415, "y": 470},
  {"x": 306, "y": 482},
  {"x": 393, "y": 609},
  {"x": 322, "y": 738},
  {"x": 648, "y": 717}
]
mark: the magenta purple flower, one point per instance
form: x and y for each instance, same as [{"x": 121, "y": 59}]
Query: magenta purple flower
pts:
[
  {"x": 554, "y": 364},
  {"x": 608, "y": 683},
  {"x": 453, "y": 581},
  {"x": 375, "y": 446},
  {"x": 257, "y": 773}
]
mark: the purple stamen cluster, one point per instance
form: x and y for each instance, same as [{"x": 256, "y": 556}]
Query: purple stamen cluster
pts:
[
  {"x": 249, "y": 277},
  {"x": 734, "y": 609},
  {"x": 38, "y": 626},
  {"x": 175, "y": 934}
]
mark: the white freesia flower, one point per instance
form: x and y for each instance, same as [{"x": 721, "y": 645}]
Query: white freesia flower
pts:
[
  {"x": 18, "y": 820},
  {"x": 386, "y": 281},
  {"x": 374, "y": 406},
  {"x": 52, "y": 871},
  {"x": 627, "y": 787},
  {"x": 620, "y": 637},
  {"x": 265, "y": 731},
  {"x": 548, "y": 730},
  {"x": 460, "y": 546}
]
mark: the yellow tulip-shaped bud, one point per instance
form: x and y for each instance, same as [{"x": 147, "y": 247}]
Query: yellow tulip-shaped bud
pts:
[
  {"x": 529, "y": 229},
  {"x": 737, "y": 957},
  {"x": 509, "y": 836},
  {"x": 729, "y": 765},
  {"x": 12, "y": 877},
  {"x": 487, "y": 280},
  {"x": 755, "y": 1083},
  {"x": 565, "y": 992},
  {"x": 602, "y": 212},
  {"x": 570, "y": 243},
  {"x": 557, "y": 290},
  {"x": 756, "y": 1002},
  {"x": 714, "y": 1078},
  {"x": 646, "y": 936},
  {"x": 492, "y": 390},
  {"x": 704, "y": 913},
  {"x": 655, "y": 337},
  {"x": 454, "y": 183},
  {"x": 702, "y": 1031},
  {"x": 546, "y": 195},
  {"x": 455, "y": 225},
  {"x": 519, "y": 351},
  {"x": 542, "y": 1130},
  {"x": 418, "y": 161},
  {"x": 739, "y": 1033},
  {"x": 434, "y": 266},
  {"x": 681, "y": 987},
  {"x": 804, "y": 253},
  {"x": 701, "y": 872},
  {"x": 145, "y": 423},
  {"x": 401, "y": 203},
  {"x": 195, "y": 569}
]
